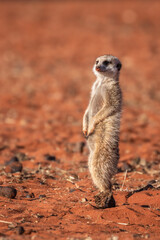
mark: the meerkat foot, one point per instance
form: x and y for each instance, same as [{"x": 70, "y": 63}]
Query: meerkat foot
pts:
[{"x": 104, "y": 200}]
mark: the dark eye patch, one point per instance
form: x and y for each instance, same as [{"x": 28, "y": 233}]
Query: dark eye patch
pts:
[
  {"x": 106, "y": 62},
  {"x": 97, "y": 62},
  {"x": 119, "y": 65}
]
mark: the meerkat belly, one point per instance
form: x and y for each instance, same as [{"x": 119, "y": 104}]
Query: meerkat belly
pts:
[{"x": 96, "y": 104}]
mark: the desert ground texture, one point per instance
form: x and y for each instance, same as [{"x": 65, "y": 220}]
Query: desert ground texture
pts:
[{"x": 47, "y": 51}]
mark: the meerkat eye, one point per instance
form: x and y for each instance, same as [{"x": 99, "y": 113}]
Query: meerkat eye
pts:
[
  {"x": 119, "y": 65},
  {"x": 97, "y": 62},
  {"x": 106, "y": 63}
]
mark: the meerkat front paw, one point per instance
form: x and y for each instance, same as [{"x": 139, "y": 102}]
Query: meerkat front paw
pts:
[
  {"x": 91, "y": 129},
  {"x": 85, "y": 132}
]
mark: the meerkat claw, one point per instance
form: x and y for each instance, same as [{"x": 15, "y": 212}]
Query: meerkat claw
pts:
[{"x": 85, "y": 133}]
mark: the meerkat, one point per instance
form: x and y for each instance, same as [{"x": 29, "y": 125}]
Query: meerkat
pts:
[{"x": 101, "y": 125}]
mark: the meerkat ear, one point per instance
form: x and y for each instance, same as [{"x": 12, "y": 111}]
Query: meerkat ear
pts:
[{"x": 119, "y": 66}]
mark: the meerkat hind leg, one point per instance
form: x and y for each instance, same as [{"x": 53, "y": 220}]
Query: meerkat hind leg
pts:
[
  {"x": 102, "y": 179},
  {"x": 104, "y": 200}
]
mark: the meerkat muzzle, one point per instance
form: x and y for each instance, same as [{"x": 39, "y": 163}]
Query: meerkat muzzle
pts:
[{"x": 98, "y": 69}]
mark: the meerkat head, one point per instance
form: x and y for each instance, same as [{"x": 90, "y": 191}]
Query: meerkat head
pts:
[{"x": 107, "y": 66}]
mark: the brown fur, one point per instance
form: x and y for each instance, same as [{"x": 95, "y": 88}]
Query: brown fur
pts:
[{"x": 101, "y": 123}]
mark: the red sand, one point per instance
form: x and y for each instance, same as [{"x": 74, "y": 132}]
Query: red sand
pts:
[{"x": 47, "y": 52}]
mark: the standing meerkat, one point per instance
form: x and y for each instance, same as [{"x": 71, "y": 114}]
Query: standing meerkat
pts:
[{"x": 101, "y": 124}]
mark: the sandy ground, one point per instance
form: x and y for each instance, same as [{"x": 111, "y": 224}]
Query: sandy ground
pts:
[{"x": 47, "y": 52}]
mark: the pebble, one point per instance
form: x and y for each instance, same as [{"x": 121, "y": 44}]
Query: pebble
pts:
[
  {"x": 50, "y": 157},
  {"x": 20, "y": 230},
  {"x": 8, "y": 192},
  {"x": 42, "y": 196},
  {"x": 30, "y": 195},
  {"x": 72, "y": 190},
  {"x": 84, "y": 200},
  {"x": 13, "y": 165},
  {"x": 13, "y": 159}
]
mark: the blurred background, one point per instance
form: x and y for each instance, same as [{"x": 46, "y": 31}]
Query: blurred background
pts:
[{"x": 48, "y": 49}]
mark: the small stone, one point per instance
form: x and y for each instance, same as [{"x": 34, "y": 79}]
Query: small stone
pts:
[
  {"x": 84, "y": 200},
  {"x": 12, "y": 160},
  {"x": 30, "y": 195},
  {"x": 42, "y": 182},
  {"x": 20, "y": 230},
  {"x": 39, "y": 215},
  {"x": 73, "y": 177},
  {"x": 145, "y": 206},
  {"x": 50, "y": 157},
  {"x": 42, "y": 196},
  {"x": 14, "y": 167},
  {"x": 72, "y": 190},
  {"x": 8, "y": 192},
  {"x": 22, "y": 156}
]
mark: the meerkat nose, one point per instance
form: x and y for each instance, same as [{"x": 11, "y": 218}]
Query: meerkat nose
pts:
[{"x": 98, "y": 68}]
